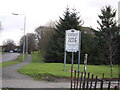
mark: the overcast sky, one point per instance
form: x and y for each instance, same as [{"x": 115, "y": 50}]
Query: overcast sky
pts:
[{"x": 40, "y": 12}]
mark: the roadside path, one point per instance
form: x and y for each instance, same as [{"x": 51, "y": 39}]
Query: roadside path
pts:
[
  {"x": 10, "y": 72},
  {"x": 12, "y": 79}
]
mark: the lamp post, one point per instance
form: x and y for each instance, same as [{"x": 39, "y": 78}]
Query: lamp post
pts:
[{"x": 24, "y": 33}]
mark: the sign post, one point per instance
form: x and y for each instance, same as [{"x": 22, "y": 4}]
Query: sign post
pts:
[
  {"x": 79, "y": 52},
  {"x": 65, "y": 56},
  {"x": 72, "y": 44}
]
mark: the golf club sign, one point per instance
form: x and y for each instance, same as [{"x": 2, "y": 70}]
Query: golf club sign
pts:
[
  {"x": 72, "y": 40},
  {"x": 72, "y": 44}
]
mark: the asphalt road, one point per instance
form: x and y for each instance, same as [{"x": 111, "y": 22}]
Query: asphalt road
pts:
[
  {"x": 8, "y": 57},
  {"x": 10, "y": 78}
]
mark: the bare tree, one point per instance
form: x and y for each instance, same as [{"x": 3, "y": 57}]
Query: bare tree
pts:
[
  {"x": 30, "y": 42},
  {"x": 43, "y": 35},
  {"x": 9, "y": 45}
]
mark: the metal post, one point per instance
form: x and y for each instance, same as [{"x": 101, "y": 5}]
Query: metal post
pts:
[
  {"x": 27, "y": 44},
  {"x": 24, "y": 39},
  {"x": 79, "y": 51},
  {"x": 24, "y": 33},
  {"x": 72, "y": 59},
  {"x": 64, "y": 60},
  {"x": 23, "y": 50},
  {"x": 65, "y": 54}
]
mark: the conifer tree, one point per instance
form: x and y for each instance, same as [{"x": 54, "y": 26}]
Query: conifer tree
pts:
[
  {"x": 55, "y": 50},
  {"x": 107, "y": 35}
]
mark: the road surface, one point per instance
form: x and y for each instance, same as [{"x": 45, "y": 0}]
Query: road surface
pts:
[
  {"x": 8, "y": 57},
  {"x": 10, "y": 78}
]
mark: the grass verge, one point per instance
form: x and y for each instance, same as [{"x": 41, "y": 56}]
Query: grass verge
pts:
[
  {"x": 37, "y": 57},
  {"x": 18, "y": 60},
  {"x": 4, "y": 52},
  {"x": 38, "y": 70}
]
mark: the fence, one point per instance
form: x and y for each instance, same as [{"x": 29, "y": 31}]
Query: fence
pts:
[{"x": 87, "y": 81}]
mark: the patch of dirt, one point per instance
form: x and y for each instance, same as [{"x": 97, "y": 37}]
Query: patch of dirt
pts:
[{"x": 56, "y": 79}]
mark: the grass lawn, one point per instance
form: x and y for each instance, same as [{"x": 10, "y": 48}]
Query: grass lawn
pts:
[
  {"x": 4, "y": 52},
  {"x": 4, "y": 64},
  {"x": 38, "y": 69},
  {"x": 37, "y": 57}
]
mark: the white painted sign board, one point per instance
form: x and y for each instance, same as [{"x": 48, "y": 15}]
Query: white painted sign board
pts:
[{"x": 72, "y": 40}]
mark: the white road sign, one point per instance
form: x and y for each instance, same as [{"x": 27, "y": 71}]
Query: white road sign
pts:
[{"x": 72, "y": 40}]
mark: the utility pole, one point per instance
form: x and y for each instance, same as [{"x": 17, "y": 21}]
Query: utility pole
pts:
[{"x": 24, "y": 34}]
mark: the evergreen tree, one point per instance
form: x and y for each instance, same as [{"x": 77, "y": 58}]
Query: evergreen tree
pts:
[
  {"x": 55, "y": 50},
  {"x": 107, "y": 35},
  {"x": 117, "y": 56},
  {"x": 89, "y": 46}
]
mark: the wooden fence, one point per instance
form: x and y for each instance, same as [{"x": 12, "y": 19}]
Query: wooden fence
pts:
[{"x": 87, "y": 81}]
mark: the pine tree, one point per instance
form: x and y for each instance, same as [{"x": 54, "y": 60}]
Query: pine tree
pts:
[
  {"x": 107, "y": 35},
  {"x": 55, "y": 50}
]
